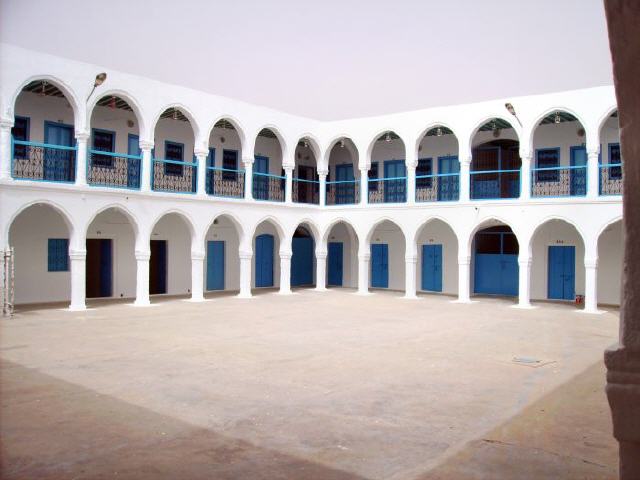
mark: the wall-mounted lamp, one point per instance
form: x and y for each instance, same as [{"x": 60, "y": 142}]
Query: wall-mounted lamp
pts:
[
  {"x": 100, "y": 78},
  {"x": 512, "y": 111}
]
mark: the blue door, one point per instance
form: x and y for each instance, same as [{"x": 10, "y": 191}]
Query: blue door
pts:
[
  {"x": 302, "y": 261},
  {"x": 334, "y": 259},
  {"x": 562, "y": 273},
  {"x": 395, "y": 190},
  {"x": 449, "y": 185},
  {"x": 578, "y": 175},
  {"x": 264, "y": 260},
  {"x": 380, "y": 265},
  {"x": 215, "y": 265},
  {"x": 432, "y": 268},
  {"x": 260, "y": 182},
  {"x": 496, "y": 263},
  {"x": 133, "y": 165},
  {"x": 59, "y": 165},
  {"x": 106, "y": 267},
  {"x": 345, "y": 192}
]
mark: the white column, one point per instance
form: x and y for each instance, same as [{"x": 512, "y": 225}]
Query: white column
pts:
[
  {"x": 364, "y": 186},
  {"x": 78, "y": 274},
  {"x": 363, "y": 273},
  {"x": 465, "y": 179},
  {"x": 245, "y": 274},
  {"x": 288, "y": 190},
  {"x": 593, "y": 174},
  {"x": 464, "y": 277},
  {"x": 197, "y": 276},
  {"x": 6, "y": 155},
  {"x": 322, "y": 176},
  {"x": 201, "y": 155},
  {"x": 285, "y": 273},
  {"x": 142, "y": 278},
  {"x": 146, "y": 171},
  {"x": 525, "y": 173},
  {"x": 248, "y": 178},
  {"x": 321, "y": 271},
  {"x": 81, "y": 158},
  {"x": 524, "y": 282},
  {"x": 591, "y": 285},
  {"x": 410, "y": 265},
  {"x": 411, "y": 183}
]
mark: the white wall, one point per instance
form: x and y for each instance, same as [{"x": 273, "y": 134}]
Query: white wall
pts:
[
  {"x": 266, "y": 227},
  {"x": 225, "y": 231},
  {"x": 562, "y": 135},
  {"x": 29, "y": 237},
  {"x": 390, "y": 234},
  {"x": 610, "y": 133},
  {"x": 434, "y": 147},
  {"x": 346, "y": 155},
  {"x": 115, "y": 120},
  {"x": 270, "y": 147},
  {"x": 487, "y": 136},
  {"x": 231, "y": 142},
  {"x": 437, "y": 232},
  {"x": 174, "y": 131},
  {"x": 553, "y": 233},
  {"x": 610, "y": 252},
  {"x": 341, "y": 233},
  {"x": 173, "y": 229},
  {"x": 114, "y": 225},
  {"x": 40, "y": 109},
  {"x": 382, "y": 150}
]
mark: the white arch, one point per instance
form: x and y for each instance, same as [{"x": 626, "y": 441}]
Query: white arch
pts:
[
  {"x": 549, "y": 111},
  {"x": 283, "y": 145},
  {"x": 186, "y": 112},
  {"x": 66, "y": 217},
  {"x": 372, "y": 143},
  {"x": 605, "y": 117},
  {"x": 236, "y": 124},
  {"x": 237, "y": 224},
  {"x": 606, "y": 225},
  {"x": 333, "y": 142},
  {"x": 485, "y": 120},
  {"x": 314, "y": 143},
  {"x": 183, "y": 215},
  {"x": 379, "y": 222},
  {"x": 273, "y": 221},
  {"x": 122, "y": 209},
  {"x": 552, "y": 218},
  {"x": 425, "y": 223},
  {"x": 131, "y": 101},
  {"x": 311, "y": 225},
  {"x": 431, "y": 126},
  {"x": 486, "y": 223}
]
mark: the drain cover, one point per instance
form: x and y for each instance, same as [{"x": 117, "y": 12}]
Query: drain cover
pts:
[{"x": 526, "y": 360}]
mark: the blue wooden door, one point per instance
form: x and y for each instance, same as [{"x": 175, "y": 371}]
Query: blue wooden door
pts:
[
  {"x": 432, "y": 268},
  {"x": 578, "y": 175},
  {"x": 335, "y": 259},
  {"x": 106, "y": 267},
  {"x": 380, "y": 265},
  {"x": 496, "y": 269},
  {"x": 345, "y": 192},
  {"x": 302, "y": 261},
  {"x": 215, "y": 265},
  {"x": 561, "y": 284},
  {"x": 448, "y": 186},
  {"x": 260, "y": 182},
  {"x": 59, "y": 165},
  {"x": 395, "y": 190},
  {"x": 264, "y": 260},
  {"x": 133, "y": 165}
]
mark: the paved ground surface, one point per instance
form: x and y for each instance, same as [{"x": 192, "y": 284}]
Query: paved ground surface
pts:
[{"x": 309, "y": 386}]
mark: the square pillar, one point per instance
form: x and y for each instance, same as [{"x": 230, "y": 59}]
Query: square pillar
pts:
[
  {"x": 81, "y": 158},
  {"x": 410, "y": 265},
  {"x": 364, "y": 186},
  {"x": 288, "y": 189},
  {"x": 322, "y": 188},
  {"x": 146, "y": 170},
  {"x": 142, "y": 279},
  {"x": 465, "y": 180},
  {"x": 411, "y": 184},
  {"x": 524, "y": 282},
  {"x": 248, "y": 178},
  {"x": 593, "y": 173},
  {"x": 285, "y": 273},
  {"x": 6, "y": 153},
  {"x": 201, "y": 186},
  {"x": 591, "y": 285},
  {"x": 464, "y": 279},
  {"x": 525, "y": 178},
  {"x": 197, "y": 276},
  {"x": 245, "y": 274},
  {"x": 363, "y": 273},
  {"x": 78, "y": 278},
  {"x": 321, "y": 271}
]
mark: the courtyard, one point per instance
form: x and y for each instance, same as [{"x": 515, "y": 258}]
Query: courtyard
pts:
[{"x": 314, "y": 385}]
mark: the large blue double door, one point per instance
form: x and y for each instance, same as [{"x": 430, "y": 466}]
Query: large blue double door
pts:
[
  {"x": 379, "y": 265},
  {"x": 215, "y": 265},
  {"x": 496, "y": 262},
  {"x": 432, "y": 268},
  {"x": 561, "y": 282}
]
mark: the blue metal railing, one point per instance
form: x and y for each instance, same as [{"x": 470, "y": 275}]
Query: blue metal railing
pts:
[
  {"x": 269, "y": 187},
  {"x": 174, "y": 176},
  {"x": 566, "y": 181},
  {"x": 224, "y": 182},
  {"x": 610, "y": 181},
  {"x": 387, "y": 190},
  {"x": 442, "y": 187},
  {"x": 494, "y": 184},
  {"x": 116, "y": 170},
  {"x": 305, "y": 191},
  {"x": 43, "y": 162},
  {"x": 343, "y": 192}
]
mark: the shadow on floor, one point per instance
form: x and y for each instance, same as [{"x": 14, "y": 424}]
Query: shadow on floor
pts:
[{"x": 52, "y": 429}]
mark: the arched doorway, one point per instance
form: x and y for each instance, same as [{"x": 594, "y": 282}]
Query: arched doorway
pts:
[
  {"x": 387, "y": 173},
  {"x": 222, "y": 263},
  {"x": 343, "y": 179},
  {"x": 305, "y": 182},
  {"x": 170, "y": 262},
  {"x": 269, "y": 180},
  {"x": 342, "y": 256},
  {"x": 387, "y": 268},
  {"x": 266, "y": 248},
  {"x": 302, "y": 258},
  {"x": 437, "y": 247},
  {"x": 495, "y": 258},
  {"x": 224, "y": 172},
  {"x": 438, "y": 169},
  {"x": 610, "y": 260}
]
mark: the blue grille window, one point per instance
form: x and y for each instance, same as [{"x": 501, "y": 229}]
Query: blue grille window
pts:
[
  {"x": 20, "y": 131},
  {"x": 424, "y": 168},
  {"x": 103, "y": 141},
  {"x": 615, "y": 173},
  {"x": 548, "y": 158},
  {"x": 229, "y": 162},
  {"x": 173, "y": 151},
  {"x": 58, "y": 255},
  {"x": 373, "y": 175}
]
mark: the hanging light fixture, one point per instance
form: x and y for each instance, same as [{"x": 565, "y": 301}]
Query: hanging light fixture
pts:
[
  {"x": 112, "y": 102},
  {"x": 175, "y": 114},
  {"x": 387, "y": 138},
  {"x": 557, "y": 119},
  {"x": 44, "y": 86},
  {"x": 305, "y": 143},
  {"x": 342, "y": 143},
  {"x": 439, "y": 132}
]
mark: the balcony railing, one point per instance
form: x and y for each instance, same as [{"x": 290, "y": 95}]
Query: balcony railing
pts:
[
  {"x": 268, "y": 187},
  {"x": 305, "y": 191},
  {"x": 494, "y": 184},
  {"x": 443, "y": 187},
  {"x": 43, "y": 162},
  {"x": 224, "y": 182},
  {"x": 113, "y": 169},
  {"x": 570, "y": 181},
  {"x": 388, "y": 190},
  {"x": 174, "y": 176},
  {"x": 344, "y": 192},
  {"x": 610, "y": 179}
]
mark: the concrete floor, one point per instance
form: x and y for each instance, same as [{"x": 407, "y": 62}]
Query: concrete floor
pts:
[{"x": 309, "y": 386}]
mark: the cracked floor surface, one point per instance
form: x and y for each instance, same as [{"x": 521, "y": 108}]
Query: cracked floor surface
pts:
[{"x": 313, "y": 385}]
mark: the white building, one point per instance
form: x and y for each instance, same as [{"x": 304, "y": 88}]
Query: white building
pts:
[{"x": 143, "y": 188}]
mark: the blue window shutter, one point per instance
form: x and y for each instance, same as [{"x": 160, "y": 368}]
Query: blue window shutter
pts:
[{"x": 58, "y": 255}]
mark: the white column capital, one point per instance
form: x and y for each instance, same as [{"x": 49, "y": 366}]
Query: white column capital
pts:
[
  {"x": 286, "y": 255},
  {"x": 201, "y": 153},
  {"x": 143, "y": 255},
  {"x": 244, "y": 255},
  {"x": 591, "y": 262},
  {"x": 364, "y": 168},
  {"x": 197, "y": 255},
  {"x": 464, "y": 259},
  {"x": 465, "y": 160},
  {"x": 288, "y": 168},
  {"x": 323, "y": 174},
  {"x": 364, "y": 256},
  {"x": 6, "y": 123},
  {"x": 248, "y": 160},
  {"x": 146, "y": 145},
  {"x": 524, "y": 262},
  {"x": 82, "y": 136},
  {"x": 411, "y": 259},
  {"x": 321, "y": 255},
  {"x": 75, "y": 254},
  {"x": 593, "y": 152}
]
